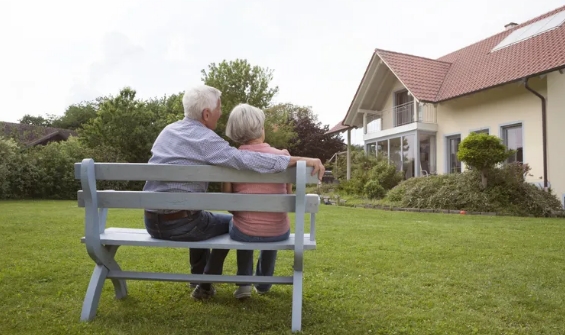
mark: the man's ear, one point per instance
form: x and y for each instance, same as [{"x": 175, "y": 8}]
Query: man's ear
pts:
[{"x": 205, "y": 114}]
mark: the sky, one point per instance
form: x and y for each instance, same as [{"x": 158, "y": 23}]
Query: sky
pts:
[{"x": 56, "y": 53}]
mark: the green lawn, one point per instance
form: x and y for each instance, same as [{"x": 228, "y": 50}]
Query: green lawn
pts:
[{"x": 374, "y": 272}]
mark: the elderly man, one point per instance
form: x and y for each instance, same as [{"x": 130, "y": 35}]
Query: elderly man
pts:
[{"x": 192, "y": 141}]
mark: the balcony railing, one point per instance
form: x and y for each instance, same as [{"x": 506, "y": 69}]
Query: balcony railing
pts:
[{"x": 401, "y": 115}]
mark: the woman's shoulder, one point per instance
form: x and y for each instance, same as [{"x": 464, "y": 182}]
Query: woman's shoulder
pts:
[{"x": 279, "y": 151}]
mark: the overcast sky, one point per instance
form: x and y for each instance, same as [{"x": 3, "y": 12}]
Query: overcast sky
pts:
[{"x": 55, "y": 53}]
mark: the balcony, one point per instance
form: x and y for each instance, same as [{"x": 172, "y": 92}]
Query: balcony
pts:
[{"x": 402, "y": 118}]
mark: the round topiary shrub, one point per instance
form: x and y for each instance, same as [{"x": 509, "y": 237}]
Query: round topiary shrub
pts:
[{"x": 374, "y": 190}]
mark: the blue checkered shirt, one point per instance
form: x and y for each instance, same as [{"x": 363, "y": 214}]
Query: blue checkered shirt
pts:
[{"x": 189, "y": 142}]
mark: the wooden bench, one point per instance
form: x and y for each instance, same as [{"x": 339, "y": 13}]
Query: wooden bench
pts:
[{"x": 102, "y": 243}]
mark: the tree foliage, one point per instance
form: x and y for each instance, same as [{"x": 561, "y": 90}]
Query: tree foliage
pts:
[
  {"x": 240, "y": 82},
  {"x": 311, "y": 139},
  {"x": 74, "y": 118},
  {"x": 122, "y": 128},
  {"x": 482, "y": 152},
  {"x": 77, "y": 115},
  {"x": 125, "y": 124},
  {"x": 39, "y": 120}
]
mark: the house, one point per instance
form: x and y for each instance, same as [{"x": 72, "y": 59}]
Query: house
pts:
[
  {"x": 31, "y": 135},
  {"x": 416, "y": 110}
]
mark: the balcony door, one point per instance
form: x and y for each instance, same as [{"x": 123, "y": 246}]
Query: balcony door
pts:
[{"x": 403, "y": 108}]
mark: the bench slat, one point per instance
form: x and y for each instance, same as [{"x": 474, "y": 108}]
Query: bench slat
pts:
[
  {"x": 177, "y": 277},
  {"x": 205, "y": 201},
  {"x": 180, "y": 173},
  {"x": 140, "y": 237}
]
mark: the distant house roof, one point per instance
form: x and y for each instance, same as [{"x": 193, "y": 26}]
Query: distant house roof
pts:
[
  {"x": 338, "y": 128},
  {"x": 532, "y": 48},
  {"x": 33, "y": 135}
]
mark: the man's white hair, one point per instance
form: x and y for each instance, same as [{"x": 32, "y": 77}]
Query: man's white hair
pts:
[
  {"x": 198, "y": 98},
  {"x": 245, "y": 123}
]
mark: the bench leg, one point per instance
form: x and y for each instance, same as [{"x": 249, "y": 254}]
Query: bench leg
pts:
[
  {"x": 297, "y": 301},
  {"x": 93, "y": 293},
  {"x": 120, "y": 286}
]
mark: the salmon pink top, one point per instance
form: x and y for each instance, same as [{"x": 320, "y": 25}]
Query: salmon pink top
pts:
[{"x": 261, "y": 224}]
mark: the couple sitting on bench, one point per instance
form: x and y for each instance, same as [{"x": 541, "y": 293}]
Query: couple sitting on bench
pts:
[{"x": 192, "y": 141}]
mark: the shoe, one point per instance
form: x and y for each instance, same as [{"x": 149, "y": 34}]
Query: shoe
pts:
[
  {"x": 261, "y": 292},
  {"x": 201, "y": 294},
  {"x": 242, "y": 292}
]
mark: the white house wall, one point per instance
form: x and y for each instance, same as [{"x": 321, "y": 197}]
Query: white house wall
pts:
[
  {"x": 492, "y": 109},
  {"x": 556, "y": 132}
]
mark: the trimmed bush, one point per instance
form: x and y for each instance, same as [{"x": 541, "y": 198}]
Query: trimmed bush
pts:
[
  {"x": 481, "y": 152},
  {"x": 369, "y": 168},
  {"x": 374, "y": 190},
  {"x": 507, "y": 193}
]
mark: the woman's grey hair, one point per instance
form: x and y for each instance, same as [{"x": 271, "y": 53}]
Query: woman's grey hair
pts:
[
  {"x": 197, "y": 99},
  {"x": 245, "y": 123}
]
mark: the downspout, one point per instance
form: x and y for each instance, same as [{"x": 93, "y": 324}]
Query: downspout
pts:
[{"x": 543, "y": 130}]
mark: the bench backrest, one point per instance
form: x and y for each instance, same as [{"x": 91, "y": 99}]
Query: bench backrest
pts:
[
  {"x": 89, "y": 172},
  {"x": 97, "y": 202}
]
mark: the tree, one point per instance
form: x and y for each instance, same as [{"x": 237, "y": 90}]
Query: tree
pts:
[
  {"x": 240, "y": 82},
  {"x": 279, "y": 131},
  {"x": 481, "y": 152},
  {"x": 124, "y": 124},
  {"x": 37, "y": 120},
  {"x": 78, "y": 115},
  {"x": 310, "y": 139},
  {"x": 167, "y": 109}
]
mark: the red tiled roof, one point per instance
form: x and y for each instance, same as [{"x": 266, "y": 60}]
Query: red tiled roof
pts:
[
  {"x": 422, "y": 76},
  {"x": 338, "y": 128},
  {"x": 475, "y": 67}
]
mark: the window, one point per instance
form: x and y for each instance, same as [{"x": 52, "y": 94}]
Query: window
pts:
[
  {"x": 512, "y": 138},
  {"x": 481, "y": 131},
  {"x": 531, "y": 30},
  {"x": 453, "y": 164},
  {"x": 372, "y": 149},
  {"x": 382, "y": 149}
]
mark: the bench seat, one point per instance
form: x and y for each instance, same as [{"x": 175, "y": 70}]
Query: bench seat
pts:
[{"x": 140, "y": 237}]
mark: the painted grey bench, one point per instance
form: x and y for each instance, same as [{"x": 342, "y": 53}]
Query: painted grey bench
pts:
[{"x": 102, "y": 243}]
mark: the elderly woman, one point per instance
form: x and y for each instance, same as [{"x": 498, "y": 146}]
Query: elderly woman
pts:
[{"x": 246, "y": 126}]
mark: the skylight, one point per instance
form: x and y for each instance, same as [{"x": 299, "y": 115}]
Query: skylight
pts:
[{"x": 531, "y": 30}]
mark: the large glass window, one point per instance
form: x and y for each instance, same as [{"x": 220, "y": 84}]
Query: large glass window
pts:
[
  {"x": 512, "y": 138},
  {"x": 382, "y": 148},
  {"x": 395, "y": 152},
  {"x": 453, "y": 164},
  {"x": 408, "y": 154},
  {"x": 372, "y": 149},
  {"x": 427, "y": 151}
]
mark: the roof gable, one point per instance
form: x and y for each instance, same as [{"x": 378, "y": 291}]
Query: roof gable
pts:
[{"x": 423, "y": 77}]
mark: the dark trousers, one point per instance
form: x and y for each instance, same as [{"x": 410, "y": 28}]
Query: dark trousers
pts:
[{"x": 198, "y": 227}]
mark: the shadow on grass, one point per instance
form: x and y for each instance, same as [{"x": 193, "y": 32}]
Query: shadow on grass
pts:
[{"x": 156, "y": 308}]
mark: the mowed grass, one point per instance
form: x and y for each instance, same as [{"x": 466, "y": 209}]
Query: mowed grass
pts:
[{"x": 374, "y": 272}]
